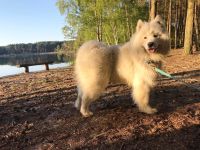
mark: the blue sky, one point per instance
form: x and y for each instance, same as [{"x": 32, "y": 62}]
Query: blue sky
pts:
[{"x": 28, "y": 21}]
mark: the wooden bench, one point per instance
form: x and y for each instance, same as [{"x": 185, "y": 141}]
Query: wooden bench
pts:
[{"x": 26, "y": 66}]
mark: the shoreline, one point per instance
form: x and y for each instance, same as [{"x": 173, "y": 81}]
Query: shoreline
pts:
[
  {"x": 34, "y": 72},
  {"x": 27, "y": 54}
]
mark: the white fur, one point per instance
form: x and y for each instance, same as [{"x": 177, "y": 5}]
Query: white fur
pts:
[{"x": 98, "y": 64}]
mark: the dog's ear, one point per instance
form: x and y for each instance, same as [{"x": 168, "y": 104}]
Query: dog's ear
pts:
[
  {"x": 158, "y": 19},
  {"x": 140, "y": 23}
]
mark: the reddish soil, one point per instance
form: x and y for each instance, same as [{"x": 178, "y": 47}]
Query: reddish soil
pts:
[{"x": 36, "y": 112}]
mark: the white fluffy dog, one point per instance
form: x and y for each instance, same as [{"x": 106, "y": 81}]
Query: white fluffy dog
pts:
[{"x": 131, "y": 63}]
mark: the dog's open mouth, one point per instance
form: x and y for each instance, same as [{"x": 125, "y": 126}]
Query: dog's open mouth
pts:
[{"x": 151, "y": 50}]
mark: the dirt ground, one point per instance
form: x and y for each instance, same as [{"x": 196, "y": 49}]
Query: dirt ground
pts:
[{"x": 36, "y": 112}]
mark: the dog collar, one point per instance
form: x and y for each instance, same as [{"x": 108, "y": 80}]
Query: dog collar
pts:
[{"x": 150, "y": 61}]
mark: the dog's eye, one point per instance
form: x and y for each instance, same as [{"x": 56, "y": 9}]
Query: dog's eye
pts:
[
  {"x": 155, "y": 35},
  {"x": 145, "y": 37}
]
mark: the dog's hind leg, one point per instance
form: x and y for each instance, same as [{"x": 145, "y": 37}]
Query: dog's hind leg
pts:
[
  {"x": 85, "y": 111},
  {"x": 89, "y": 96},
  {"x": 79, "y": 98},
  {"x": 141, "y": 94}
]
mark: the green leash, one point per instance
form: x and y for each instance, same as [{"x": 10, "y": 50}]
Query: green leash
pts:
[
  {"x": 163, "y": 73},
  {"x": 175, "y": 78}
]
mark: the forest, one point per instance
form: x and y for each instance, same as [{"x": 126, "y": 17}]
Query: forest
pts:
[
  {"x": 114, "y": 22},
  {"x": 30, "y": 48}
]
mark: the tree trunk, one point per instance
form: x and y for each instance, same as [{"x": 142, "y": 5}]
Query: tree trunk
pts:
[
  {"x": 100, "y": 27},
  {"x": 169, "y": 17},
  {"x": 127, "y": 22},
  {"x": 184, "y": 22},
  {"x": 196, "y": 33},
  {"x": 176, "y": 26},
  {"x": 189, "y": 28},
  {"x": 97, "y": 25},
  {"x": 179, "y": 25},
  {"x": 165, "y": 12},
  {"x": 152, "y": 9},
  {"x": 115, "y": 36}
]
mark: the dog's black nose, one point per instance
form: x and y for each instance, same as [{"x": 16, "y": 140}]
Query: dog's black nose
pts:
[{"x": 151, "y": 44}]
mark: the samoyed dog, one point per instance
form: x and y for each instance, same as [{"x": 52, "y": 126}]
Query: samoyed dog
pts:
[{"x": 131, "y": 63}]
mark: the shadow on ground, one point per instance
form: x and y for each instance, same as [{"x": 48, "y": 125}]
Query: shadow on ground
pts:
[{"x": 47, "y": 119}]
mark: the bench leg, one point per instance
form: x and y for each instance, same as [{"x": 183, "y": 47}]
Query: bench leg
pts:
[
  {"x": 47, "y": 66},
  {"x": 26, "y": 69}
]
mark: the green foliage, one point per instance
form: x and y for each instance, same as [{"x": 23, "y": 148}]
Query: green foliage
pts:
[
  {"x": 105, "y": 20},
  {"x": 66, "y": 47}
]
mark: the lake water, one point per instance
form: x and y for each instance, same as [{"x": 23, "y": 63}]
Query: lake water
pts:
[{"x": 8, "y": 65}]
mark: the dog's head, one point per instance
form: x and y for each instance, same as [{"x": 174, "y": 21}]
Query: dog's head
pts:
[{"x": 152, "y": 36}]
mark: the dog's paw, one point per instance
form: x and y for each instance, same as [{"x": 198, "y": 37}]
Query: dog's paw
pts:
[
  {"x": 149, "y": 110},
  {"x": 86, "y": 113}
]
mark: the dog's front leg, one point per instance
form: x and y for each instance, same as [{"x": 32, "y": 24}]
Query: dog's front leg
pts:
[{"x": 141, "y": 92}]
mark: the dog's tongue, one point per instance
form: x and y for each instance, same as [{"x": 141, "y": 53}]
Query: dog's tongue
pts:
[{"x": 151, "y": 50}]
